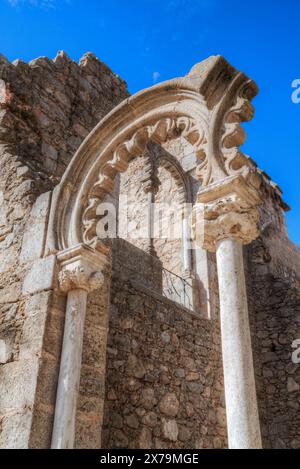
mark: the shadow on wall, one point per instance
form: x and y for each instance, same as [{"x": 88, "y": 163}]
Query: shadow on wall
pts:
[
  {"x": 164, "y": 379},
  {"x": 133, "y": 264}
]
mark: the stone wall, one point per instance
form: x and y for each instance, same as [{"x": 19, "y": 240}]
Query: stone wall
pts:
[
  {"x": 273, "y": 282},
  {"x": 46, "y": 109},
  {"x": 164, "y": 383},
  {"x": 49, "y": 106},
  {"x": 163, "y": 386}
]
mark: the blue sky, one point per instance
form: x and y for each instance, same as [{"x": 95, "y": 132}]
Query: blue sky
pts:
[{"x": 147, "y": 41}]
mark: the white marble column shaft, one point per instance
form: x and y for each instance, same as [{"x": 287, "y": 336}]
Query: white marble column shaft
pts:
[
  {"x": 240, "y": 393},
  {"x": 69, "y": 374}
]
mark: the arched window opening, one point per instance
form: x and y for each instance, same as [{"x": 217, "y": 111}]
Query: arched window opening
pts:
[{"x": 155, "y": 201}]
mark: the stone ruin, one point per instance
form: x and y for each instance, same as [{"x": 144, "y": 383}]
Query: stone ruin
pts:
[{"x": 141, "y": 342}]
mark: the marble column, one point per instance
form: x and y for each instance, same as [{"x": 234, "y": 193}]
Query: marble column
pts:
[
  {"x": 240, "y": 392},
  {"x": 226, "y": 219},
  {"x": 81, "y": 272}
]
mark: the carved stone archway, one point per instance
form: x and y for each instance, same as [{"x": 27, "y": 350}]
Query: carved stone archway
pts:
[{"x": 206, "y": 108}]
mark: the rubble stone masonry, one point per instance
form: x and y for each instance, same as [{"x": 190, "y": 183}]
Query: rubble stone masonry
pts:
[
  {"x": 47, "y": 108},
  {"x": 164, "y": 385}
]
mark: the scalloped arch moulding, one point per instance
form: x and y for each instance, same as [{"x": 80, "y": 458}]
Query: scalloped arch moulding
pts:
[{"x": 206, "y": 107}]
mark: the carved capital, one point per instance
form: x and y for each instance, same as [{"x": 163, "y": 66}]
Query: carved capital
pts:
[
  {"x": 81, "y": 267},
  {"x": 227, "y": 209},
  {"x": 77, "y": 277}
]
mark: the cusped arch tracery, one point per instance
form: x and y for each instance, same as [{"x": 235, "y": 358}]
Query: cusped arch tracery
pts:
[
  {"x": 172, "y": 165},
  {"x": 161, "y": 131}
]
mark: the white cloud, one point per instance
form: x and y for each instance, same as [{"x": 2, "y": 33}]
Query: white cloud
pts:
[
  {"x": 45, "y": 4},
  {"x": 155, "y": 77}
]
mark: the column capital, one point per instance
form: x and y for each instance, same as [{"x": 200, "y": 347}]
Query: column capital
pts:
[
  {"x": 81, "y": 267},
  {"x": 227, "y": 209}
]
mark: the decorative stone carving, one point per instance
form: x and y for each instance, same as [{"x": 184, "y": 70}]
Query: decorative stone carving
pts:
[
  {"x": 223, "y": 156},
  {"x": 227, "y": 209},
  {"x": 216, "y": 140},
  {"x": 157, "y": 157},
  {"x": 81, "y": 268},
  {"x": 206, "y": 107},
  {"x": 135, "y": 145},
  {"x": 78, "y": 277},
  {"x": 5, "y": 231},
  {"x": 175, "y": 169}
]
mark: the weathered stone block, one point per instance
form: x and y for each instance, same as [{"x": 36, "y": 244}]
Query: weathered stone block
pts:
[
  {"x": 11, "y": 293},
  {"x": 15, "y": 428},
  {"x": 37, "y": 303},
  {"x": 170, "y": 429},
  {"x": 169, "y": 405},
  {"x": 17, "y": 384},
  {"x": 41, "y": 276},
  {"x": 145, "y": 438},
  {"x": 31, "y": 340},
  {"x": 34, "y": 236},
  {"x": 7, "y": 259},
  {"x": 292, "y": 386}
]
